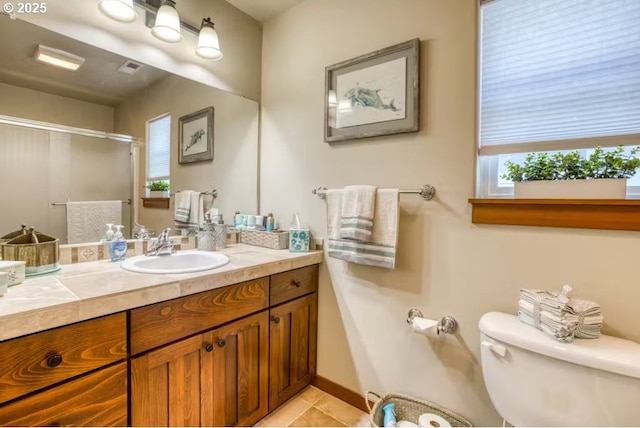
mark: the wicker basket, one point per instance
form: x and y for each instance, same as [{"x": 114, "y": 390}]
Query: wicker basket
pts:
[
  {"x": 409, "y": 409},
  {"x": 275, "y": 240}
]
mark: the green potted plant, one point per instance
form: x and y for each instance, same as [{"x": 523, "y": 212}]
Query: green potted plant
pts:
[
  {"x": 158, "y": 189},
  {"x": 602, "y": 175}
]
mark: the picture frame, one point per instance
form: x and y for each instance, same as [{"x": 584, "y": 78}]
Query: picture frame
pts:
[
  {"x": 373, "y": 94},
  {"x": 195, "y": 136}
]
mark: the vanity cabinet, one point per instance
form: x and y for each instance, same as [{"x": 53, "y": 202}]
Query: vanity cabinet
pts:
[
  {"x": 293, "y": 341},
  {"x": 95, "y": 399},
  {"x": 222, "y": 357},
  {"x": 71, "y": 375},
  {"x": 217, "y": 378}
]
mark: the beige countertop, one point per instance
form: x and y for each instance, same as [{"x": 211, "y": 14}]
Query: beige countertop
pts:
[{"x": 87, "y": 290}]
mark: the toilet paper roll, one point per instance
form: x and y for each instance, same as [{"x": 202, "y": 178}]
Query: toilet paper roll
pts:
[
  {"x": 432, "y": 420},
  {"x": 424, "y": 325}
]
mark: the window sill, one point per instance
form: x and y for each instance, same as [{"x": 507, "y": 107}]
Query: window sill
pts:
[
  {"x": 155, "y": 203},
  {"x": 613, "y": 214}
]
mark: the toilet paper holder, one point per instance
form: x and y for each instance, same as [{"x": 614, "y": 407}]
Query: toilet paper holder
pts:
[{"x": 447, "y": 324}]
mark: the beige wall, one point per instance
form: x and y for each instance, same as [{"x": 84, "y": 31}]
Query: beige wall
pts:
[
  {"x": 446, "y": 265},
  {"x": 35, "y": 105},
  {"x": 234, "y": 169}
]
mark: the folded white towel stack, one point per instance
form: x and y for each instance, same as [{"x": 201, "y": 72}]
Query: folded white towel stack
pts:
[
  {"x": 381, "y": 250},
  {"x": 560, "y": 316},
  {"x": 358, "y": 207}
]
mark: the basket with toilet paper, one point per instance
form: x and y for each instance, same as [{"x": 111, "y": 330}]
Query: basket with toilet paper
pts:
[{"x": 407, "y": 411}]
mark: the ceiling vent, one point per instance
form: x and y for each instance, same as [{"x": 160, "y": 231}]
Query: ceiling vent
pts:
[{"x": 130, "y": 67}]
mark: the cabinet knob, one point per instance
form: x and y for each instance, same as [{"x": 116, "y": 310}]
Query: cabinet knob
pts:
[
  {"x": 276, "y": 320},
  {"x": 208, "y": 347},
  {"x": 221, "y": 343},
  {"x": 54, "y": 360},
  {"x": 295, "y": 283}
]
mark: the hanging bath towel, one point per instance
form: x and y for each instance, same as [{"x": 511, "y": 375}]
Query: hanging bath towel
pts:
[
  {"x": 358, "y": 208},
  {"x": 86, "y": 221},
  {"x": 381, "y": 250}
]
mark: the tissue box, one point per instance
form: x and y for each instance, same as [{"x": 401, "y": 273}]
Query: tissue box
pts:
[
  {"x": 299, "y": 241},
  {"x": 278, "y": 240},
  {"x": 14, "y": 269}
]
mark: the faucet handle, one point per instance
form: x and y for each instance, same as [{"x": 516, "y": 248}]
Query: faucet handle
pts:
[{"x": 164, "y": 236}]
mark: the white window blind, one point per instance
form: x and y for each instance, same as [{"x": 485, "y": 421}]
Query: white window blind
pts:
[
  {"x": 559, "y": 74},
  {"x": 158, "y": 148}
]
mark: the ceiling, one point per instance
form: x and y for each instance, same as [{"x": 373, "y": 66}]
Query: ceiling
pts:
[
  {"x": 97, "y": 80},
  {"x": 262, "y": 10}
]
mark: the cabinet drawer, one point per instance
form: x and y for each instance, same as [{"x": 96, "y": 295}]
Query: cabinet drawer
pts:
[
  {"x": 42, "y": 359},
  {"x": 96, "y": 399},
  {"x": 161, "y": 323},
  {"x": 295, "y": 283}
]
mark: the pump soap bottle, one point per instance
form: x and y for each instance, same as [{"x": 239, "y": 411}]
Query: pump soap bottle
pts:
[{"x": 118, "y": 247}]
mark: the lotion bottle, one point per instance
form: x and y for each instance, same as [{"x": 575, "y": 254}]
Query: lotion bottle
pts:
[
  {"x": 271, "y": 223},
  {"x": 389, "y": 415}
]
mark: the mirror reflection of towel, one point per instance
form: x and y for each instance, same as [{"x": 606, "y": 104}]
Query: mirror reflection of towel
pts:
[
  {"x": 87, "y": 220},
  {"x": 190, "y": 207}
]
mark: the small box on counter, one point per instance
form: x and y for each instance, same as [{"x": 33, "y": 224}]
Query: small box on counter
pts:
[
  {"x": 15, "y": 271},
  {"x": 300, "y": 240},
  {"x": 276, "y": 240}
]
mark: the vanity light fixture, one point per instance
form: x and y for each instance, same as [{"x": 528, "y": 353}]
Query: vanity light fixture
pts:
[
  {"x": 58, "y": 58},
  {"x": 119, "y": 10},
  {"x": 167, "y": 26},
  {"x": 208, "y": 43}
]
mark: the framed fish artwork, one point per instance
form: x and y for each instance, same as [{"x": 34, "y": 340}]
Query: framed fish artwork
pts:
[
  {"x": 195, "y": 136},
  {"x": 374, "y": 94}
]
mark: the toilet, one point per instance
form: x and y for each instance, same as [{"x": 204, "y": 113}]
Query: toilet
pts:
[{"x": 534, "y": 380}]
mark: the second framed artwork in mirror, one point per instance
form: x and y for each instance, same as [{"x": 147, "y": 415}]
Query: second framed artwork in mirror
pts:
[{"x": 195, "y": 136}]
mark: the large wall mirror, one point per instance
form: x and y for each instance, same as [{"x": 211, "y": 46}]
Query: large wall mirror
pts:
[{"x": 43, "y": 167}]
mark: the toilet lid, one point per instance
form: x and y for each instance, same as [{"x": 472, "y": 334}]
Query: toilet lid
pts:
[{"x": 606, "y": 353}]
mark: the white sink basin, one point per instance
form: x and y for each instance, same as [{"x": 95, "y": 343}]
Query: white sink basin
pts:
[{"x": 180, "y": 262}]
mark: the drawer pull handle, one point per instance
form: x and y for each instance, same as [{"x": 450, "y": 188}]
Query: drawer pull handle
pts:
[
  {"x": 54, "y": 360},
  {"x": 276, "y": 320},
  {"x": 208, "y": 347},
  {"x": 221, "y": 343},
  {"x": 295, "y": 283}
]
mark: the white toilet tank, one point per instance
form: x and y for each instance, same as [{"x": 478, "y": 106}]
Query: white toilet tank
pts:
[{"x": 534, "y": 380}]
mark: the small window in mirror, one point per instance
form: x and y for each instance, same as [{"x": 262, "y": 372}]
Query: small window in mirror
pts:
[{"x": 158, "y": 148}]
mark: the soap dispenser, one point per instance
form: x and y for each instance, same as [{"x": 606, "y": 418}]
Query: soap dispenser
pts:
[
  {"x": 118, "y": 246},
  {"x": 108, "y": 236}
]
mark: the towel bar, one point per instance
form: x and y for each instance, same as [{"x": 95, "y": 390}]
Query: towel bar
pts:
[
  {"x": 59, "y": 204},
  {"x": 214, "y": 192},
  {"x": 427, "y": 192}
]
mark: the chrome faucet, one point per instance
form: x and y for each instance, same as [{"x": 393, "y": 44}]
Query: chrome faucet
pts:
[{"x": 162, "y": 246}]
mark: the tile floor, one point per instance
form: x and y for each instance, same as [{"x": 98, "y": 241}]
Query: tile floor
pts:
[{"x": 315, "y": 408}]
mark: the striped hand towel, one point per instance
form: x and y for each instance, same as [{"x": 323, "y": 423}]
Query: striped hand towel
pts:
[
  {"x": 381, "y": 250},
  {"x": 358, "y": 207},
  {"x": 187, "y": 204}
]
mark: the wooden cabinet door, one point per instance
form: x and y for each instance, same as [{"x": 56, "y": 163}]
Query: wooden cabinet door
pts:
[
  {"x": 293, "y": 336},
  {"x": 240, "y": 371},
  {"x": 172, "y": 385}
]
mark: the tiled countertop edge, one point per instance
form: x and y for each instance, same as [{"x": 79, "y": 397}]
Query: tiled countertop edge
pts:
[{"x": 102, "y": 288}]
